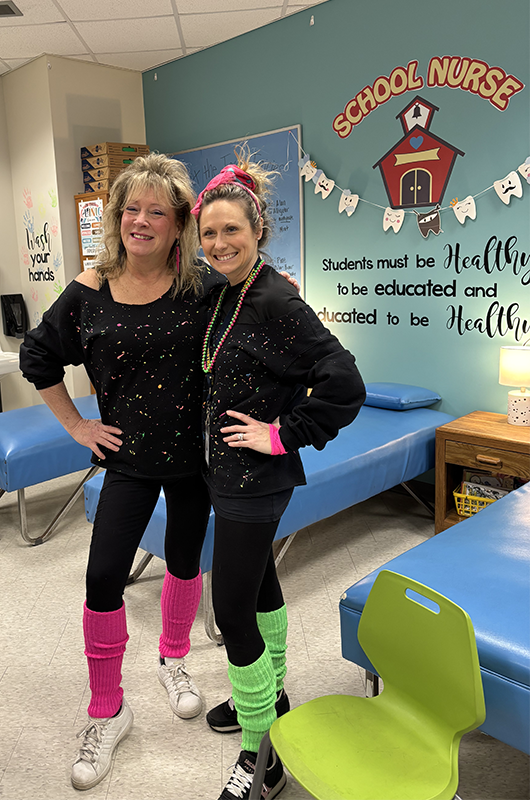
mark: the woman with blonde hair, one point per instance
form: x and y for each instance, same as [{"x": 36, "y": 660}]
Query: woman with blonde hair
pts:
[
  {"x": 263, "y": 343},
  {"x": 136, "y": 323}
]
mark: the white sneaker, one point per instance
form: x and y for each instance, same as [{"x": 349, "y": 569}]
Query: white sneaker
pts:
[
  {"x": 184, "y": 697},
  {"x": 100, "y": 739}
]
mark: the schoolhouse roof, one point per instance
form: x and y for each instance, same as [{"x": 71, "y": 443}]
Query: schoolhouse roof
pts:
[{"x": 422, "y": 131}]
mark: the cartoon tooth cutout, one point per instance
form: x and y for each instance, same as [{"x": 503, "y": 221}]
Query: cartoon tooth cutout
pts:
[
  {"x": 393, "y": 218},
  {"x": 464, "y": 208},
  {"x": 308, "y": 168},
  {"x": 323, "y": 185},
  {"x": 524, "y": 170},
  {"x": 429, "y": 222},
  {"x": 510, "y": 185},
  {"x": 348, "y": 202}
]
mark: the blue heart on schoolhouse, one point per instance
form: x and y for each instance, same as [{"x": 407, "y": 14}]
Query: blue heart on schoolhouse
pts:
[{"x": 416, "y": 142}]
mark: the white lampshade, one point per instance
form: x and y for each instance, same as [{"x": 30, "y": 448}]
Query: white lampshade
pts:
[
  {"x": 514, "y": 366},
  {"x": 514, "y": 370}
]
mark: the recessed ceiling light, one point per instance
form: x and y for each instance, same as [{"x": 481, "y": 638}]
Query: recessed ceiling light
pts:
[{"x": 9, "y": 9}]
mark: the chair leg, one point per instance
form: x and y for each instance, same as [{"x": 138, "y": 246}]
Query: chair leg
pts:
[
  {"x": 261, "y": 767},
  {"x": 135, "y": 574},
  {"x": 418, "y": 499},
  {"x": 34, "y": 540},
  {"x": 209, "y": 616},
  {"x": 371, "y": 684},
  {"x": 284, "y": 547}
]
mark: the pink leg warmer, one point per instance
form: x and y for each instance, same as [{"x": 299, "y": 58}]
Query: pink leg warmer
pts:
[
  {"x": 105, "y": 640},
  {"x": 179, "y": 604}
]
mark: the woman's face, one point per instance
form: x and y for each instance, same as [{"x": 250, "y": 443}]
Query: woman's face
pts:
[
  {"x": 148, "y": 227},
  {"x": 227, "y": 238}
]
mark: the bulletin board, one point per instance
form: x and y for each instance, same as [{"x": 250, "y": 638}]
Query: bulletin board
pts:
[{"x": 279, "y": 150}]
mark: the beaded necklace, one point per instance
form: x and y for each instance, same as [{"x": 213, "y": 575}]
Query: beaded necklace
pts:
[{"x": 207, "y": 360}]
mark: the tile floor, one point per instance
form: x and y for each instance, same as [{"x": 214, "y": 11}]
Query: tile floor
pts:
[{"x": 43, "y": 676}]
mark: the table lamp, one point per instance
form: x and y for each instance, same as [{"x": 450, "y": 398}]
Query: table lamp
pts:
[{"x": 514, "y": 370}]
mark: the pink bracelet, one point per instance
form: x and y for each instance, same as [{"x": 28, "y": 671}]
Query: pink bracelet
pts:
[{"x": 277, "y": 448}]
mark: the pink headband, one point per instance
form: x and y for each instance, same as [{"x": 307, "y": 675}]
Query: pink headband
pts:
[{"x": 229, "y": 174}]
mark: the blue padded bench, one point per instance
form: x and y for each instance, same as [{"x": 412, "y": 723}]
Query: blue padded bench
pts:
[
  {"x": 483, "y": 565},
  {"x": 34, "y": 447},
  {"x": 380, "y": 449}
]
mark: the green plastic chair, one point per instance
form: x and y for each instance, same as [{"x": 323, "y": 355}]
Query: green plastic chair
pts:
[{"x": 402, "y": 744}]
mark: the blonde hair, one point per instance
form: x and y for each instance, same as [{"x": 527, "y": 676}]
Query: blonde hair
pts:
[
  {"x": 263, "y": 190},
  {"x": 170, "y": 181}
]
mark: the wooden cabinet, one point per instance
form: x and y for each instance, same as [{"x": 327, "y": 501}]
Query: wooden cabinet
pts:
[{"x": 480, "y": 440}]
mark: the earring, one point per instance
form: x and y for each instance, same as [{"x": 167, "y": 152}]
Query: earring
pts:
[{"x": 177, "y": 256}]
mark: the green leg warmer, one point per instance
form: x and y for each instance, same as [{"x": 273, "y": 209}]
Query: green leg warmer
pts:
[
  {"x": 273, "y": 627},
  {"x": 254, "y": 693}
]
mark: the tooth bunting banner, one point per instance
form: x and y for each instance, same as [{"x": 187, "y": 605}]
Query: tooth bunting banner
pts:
[{"x": 428, "y": 221}]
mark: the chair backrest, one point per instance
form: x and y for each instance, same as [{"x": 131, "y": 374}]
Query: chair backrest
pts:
[{"x": 423, "y": 646}]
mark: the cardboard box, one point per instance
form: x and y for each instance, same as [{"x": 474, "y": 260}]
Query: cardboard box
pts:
[
  {"x": 95, "y": 162},
  {"x": 101, "y": 174},
  {"x": 98, "y": 186},
  {"x": 114, "y": 148}
]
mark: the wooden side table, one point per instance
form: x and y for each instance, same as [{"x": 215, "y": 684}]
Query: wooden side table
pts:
[{"x": 480, "y": 440}]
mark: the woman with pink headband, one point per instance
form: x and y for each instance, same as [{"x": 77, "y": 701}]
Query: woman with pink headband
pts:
[{"x": 263, "y": 348}]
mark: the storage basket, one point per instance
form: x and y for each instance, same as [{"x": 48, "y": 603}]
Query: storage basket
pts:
[{"x": 469, "y": 504}]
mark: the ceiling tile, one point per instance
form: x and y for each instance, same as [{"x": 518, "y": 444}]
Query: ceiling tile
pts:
[
  {"x": 31, "y": 40},
  {"x": 293, "y": 8},
  {"x": 11, "y": 63},
  {"x": 135, "y": 34},
  {"x": 139, "y": 60},
  {"x": 202, "y": 30},
  {"x": 220, "y": 6},
  {"x": 35, "y": 12},
  {"x": 128, "y": 35},
  {"x": 80, "y": 10}
]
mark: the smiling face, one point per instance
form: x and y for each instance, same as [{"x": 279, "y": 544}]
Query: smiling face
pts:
[
  {"x": 228, "y": 240},
  {"x": 393, "y": 218},
  {"x": 148, "y": 227},
  {"x": 465, "y": 208}
]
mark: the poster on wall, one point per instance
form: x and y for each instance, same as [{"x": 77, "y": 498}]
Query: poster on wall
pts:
[
  {"x": 90, "y": 215},
  {"x": 280, "y": 151},
  {"x": 474, "y": 283}
]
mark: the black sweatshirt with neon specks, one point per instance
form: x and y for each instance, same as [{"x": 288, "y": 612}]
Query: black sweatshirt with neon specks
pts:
[
  {"x": 277, "y": 344},
  {"x": 144, "y": 363}
]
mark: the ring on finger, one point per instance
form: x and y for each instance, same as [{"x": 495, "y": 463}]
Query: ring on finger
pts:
[{"x": 241, "y": 436}]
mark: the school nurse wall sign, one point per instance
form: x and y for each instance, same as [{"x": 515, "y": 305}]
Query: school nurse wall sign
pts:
[
  {"x": 469, "y": 74},
  {"x": 473, "y": 286},
  {"x": 416, "y": 170}
]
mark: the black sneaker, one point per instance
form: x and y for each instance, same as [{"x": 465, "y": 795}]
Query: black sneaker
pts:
[
  {"x": 223, "y": 718},
  {"x": 240, "y": 783}
]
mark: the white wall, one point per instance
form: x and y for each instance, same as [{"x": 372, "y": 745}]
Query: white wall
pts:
[
  {"x": 50, "y": 108},
  {"x": 15, "y": 390},
  {"x": 30, "y": 145},
  {"x": 90, "y": 103}
]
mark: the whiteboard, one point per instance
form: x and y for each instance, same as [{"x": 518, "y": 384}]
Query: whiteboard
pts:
[{"x": 280, "y": 150}]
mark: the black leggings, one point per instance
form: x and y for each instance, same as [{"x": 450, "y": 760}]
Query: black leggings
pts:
[
  {"x": 124, "y": 510},
  {"x": 244, "y": 581}
]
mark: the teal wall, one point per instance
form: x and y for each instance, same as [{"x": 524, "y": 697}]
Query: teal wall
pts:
[{"x": 291, "y": 72}]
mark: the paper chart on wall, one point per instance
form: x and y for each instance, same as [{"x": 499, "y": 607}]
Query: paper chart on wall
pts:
[{"x": 280, "y": 150}]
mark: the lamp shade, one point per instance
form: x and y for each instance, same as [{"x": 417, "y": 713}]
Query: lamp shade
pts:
[{"x": 514, "y": 366}]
